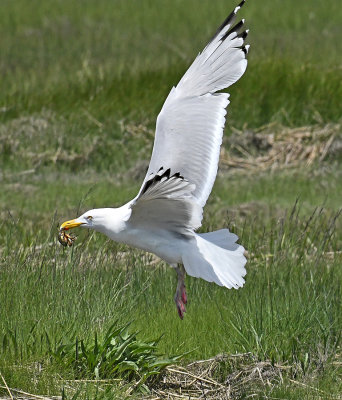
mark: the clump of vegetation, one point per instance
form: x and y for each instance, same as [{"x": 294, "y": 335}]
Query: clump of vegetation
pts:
[{"x": 118, "y": 354}]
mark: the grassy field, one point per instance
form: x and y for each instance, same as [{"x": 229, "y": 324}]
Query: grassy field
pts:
[{"x": 81, "y": 85}]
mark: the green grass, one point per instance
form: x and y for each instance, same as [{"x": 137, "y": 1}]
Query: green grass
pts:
[
  {"x": 288, "y": 311},
  {"x": 80, "y": 90},
  {"x": 121, "y": 61}
]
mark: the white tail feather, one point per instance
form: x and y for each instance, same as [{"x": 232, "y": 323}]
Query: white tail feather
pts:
[{"x": 215, "y": 257}]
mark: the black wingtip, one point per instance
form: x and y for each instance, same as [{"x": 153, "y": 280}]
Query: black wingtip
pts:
[
  {"x": 245, "y": 49},
  {"x": 237, "y": 8},
  {"x": 158, "y": 177},
  {"x": 236, "y": 28},
  {"x": 178, "y": 175},
  {"x": 228, "y": 20},
  {"x": 243, "y": 34}
]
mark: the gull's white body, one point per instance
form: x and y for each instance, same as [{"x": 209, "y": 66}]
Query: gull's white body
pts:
[
  {"x": 165, "y": 214},
  {"x": 118, "y": 227}
]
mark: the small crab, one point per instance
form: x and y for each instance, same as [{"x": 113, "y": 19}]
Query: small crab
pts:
[{"x": 65, "y": 239}]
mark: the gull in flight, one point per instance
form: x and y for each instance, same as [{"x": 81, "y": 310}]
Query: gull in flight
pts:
[{"x": 164, "y": 216}]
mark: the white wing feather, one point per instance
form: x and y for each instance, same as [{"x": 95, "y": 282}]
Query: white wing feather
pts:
[
  {"x": 166, "y": 202},
  {"x": 190, "y": 125},
  {"x": 183, "y": 167}
]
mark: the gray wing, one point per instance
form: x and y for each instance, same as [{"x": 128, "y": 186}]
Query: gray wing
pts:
[
  {"x": 190, "y": 125},
  {"x": 166, "y": 202}
]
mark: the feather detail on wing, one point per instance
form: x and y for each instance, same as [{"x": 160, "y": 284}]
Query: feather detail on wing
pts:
[
  {"x": 164, "y": 185},
  {"x": 166, "y": 201},
  {"x": 190, "y": 125}
]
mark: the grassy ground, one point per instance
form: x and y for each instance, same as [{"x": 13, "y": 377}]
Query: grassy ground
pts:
[
  {"x": 80, "y": 90},
  {"x": 288, "y": 311}
]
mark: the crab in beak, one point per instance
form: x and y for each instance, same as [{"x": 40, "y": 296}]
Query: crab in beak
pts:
[{"x": 64, "y": 238}]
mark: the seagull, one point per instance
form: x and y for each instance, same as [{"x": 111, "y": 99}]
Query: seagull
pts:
[{"x": 164, "y": 216}]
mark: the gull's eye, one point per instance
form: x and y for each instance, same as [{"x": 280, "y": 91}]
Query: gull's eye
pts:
[{"x": 89, "y": 218}]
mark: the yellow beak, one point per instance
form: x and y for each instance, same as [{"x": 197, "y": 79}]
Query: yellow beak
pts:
[{"x": 70, "y": 224}]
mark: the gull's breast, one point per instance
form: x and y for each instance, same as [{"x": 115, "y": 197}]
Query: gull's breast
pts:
[{"x": 165, "y": 244}]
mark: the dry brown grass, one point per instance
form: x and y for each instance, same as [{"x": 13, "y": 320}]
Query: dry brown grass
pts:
[
  {"x": 227, "y": 377},
  {"x": 223, "y": 377},
  {"x": 275, "y": 146}
]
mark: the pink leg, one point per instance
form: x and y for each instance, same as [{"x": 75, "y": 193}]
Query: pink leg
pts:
[{"x": 180, "y": 296}]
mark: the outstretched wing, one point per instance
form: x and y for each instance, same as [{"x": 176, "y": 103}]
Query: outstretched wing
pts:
[
  {"x": 166, "y": 202},
  {"x": 190, "y": 125}
]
